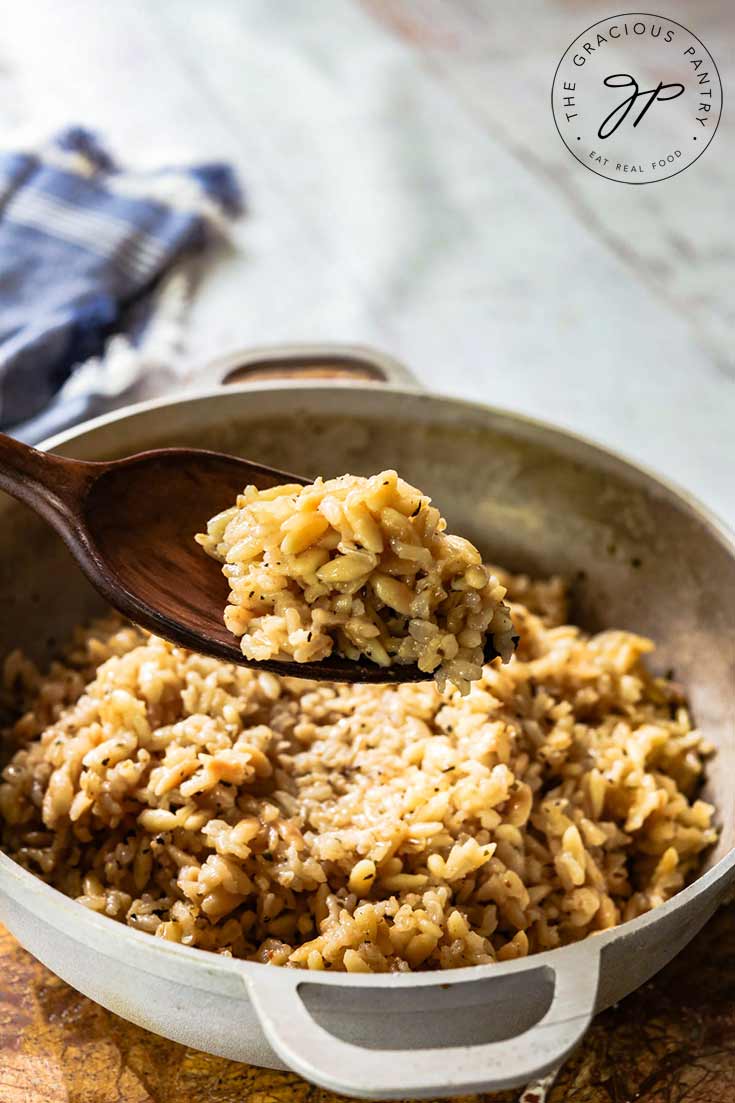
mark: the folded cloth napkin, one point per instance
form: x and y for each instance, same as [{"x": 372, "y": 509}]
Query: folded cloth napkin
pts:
[{"x": 80, "y": 242}]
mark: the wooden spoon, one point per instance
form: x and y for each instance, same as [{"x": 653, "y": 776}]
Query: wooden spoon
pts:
[{"x": 130, "y": 525}]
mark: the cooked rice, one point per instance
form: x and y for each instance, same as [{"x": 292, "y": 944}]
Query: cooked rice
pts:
[
  {"x": 361, "y": 564},
  {"x": 358, "y": 828}
]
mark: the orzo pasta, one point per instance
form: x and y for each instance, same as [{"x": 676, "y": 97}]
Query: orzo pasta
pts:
[
  {"x": 363, "y": 566},
  {"x": 358, "y": 828}
]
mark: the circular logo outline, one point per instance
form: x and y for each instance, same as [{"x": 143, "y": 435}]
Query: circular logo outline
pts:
[{"x": 621, "y": 180}]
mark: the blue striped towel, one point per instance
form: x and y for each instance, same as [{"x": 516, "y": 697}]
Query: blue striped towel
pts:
[{"x": 80, "y": 242}]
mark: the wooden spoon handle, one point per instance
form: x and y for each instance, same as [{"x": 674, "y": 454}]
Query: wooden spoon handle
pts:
[{"x": 51, "y": 485}]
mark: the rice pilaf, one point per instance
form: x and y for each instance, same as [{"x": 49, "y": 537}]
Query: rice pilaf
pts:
[
  {"x": 362, "y": 828},
  {"x": 363, "y": 566}
]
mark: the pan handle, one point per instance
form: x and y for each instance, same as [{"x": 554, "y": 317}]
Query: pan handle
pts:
[
  {"x": 345, "y": 363},
  {"x": 323, "y": 361},
  {"x": 339, "y": 1066}
]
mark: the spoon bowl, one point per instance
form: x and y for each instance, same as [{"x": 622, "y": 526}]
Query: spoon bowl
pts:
[{"x": 130, "y": 525}]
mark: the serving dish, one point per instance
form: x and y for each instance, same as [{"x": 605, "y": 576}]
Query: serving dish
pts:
[{"x": 642, "y": 556}]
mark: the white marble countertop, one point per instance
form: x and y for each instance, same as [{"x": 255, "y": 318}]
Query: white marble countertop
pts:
[{"x": 407, "y": 189}]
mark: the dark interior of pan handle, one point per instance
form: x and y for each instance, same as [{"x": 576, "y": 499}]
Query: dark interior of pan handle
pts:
[{"x": 307, "y": 366}]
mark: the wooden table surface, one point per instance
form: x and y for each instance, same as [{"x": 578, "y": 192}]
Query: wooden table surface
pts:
[
  {"x": 671, "y": 1041},
  {"x": 407, "y": 188}
]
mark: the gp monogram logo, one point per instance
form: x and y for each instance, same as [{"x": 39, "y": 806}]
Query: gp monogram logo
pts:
[{"x": 637, "y": 98}]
